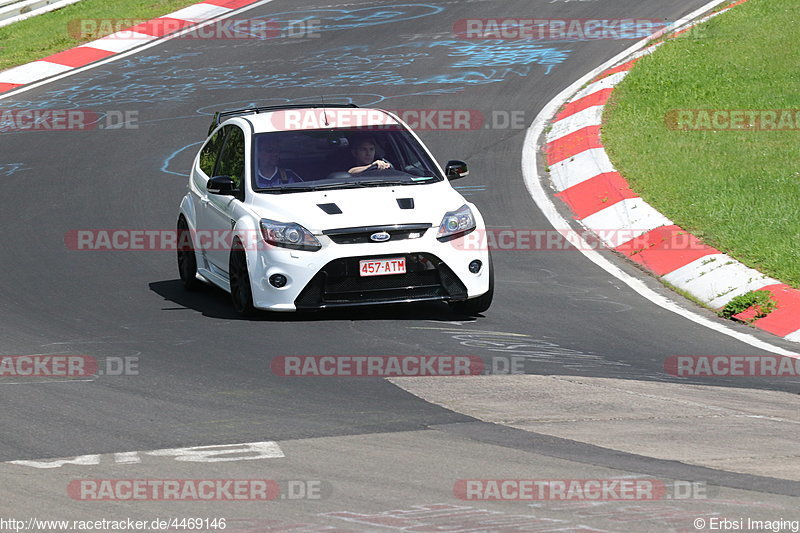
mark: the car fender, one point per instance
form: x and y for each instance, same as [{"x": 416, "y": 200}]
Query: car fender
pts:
[
  {"x": 248, "y": 232},
  {"x": 187, "y": 211}
]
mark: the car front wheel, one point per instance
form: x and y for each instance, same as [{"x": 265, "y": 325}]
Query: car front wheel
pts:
[
  {"x": 241, "y": 293},
  {"x": 187, "y": 261}
]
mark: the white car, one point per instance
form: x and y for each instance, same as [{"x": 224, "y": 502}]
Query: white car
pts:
[{"x": 310, "y": 207}]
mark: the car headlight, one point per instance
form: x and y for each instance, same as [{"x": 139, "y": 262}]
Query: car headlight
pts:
[
  {"x": 288, "y": 235},
  {"x": 456, "y": 223}
]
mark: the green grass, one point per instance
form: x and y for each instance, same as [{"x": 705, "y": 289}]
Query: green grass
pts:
[
  {"x": 49, "y": 33},
  {"x": 762, "y": 300},
  {"x": 739, "y": 191}
]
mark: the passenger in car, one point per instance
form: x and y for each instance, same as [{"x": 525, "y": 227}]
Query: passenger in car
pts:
[
  {"x": 269, "y": 173},
  {"x": 363, "y": 150}
]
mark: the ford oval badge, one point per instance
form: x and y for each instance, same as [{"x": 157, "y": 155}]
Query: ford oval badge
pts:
[{"x": 381, "y": 236}]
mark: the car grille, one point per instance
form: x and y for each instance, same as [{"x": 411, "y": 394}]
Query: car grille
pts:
[
  {"x": 339, "y": 284},
  {"x": 362, "y": 235}
]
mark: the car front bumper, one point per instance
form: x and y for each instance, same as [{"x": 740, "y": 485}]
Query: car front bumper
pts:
[{"x": 330, "y": 277}]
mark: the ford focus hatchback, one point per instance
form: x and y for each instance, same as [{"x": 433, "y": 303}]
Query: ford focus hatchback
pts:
[{"x": 312, "y": 207}]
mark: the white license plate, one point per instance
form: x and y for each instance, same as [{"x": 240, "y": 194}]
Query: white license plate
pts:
[{"x": 382, "y": 267}]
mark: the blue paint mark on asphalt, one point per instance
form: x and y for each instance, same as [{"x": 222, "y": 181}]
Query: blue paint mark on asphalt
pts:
[
  {"x": 8, "y": 169},
  {"x": 440, "y": 67},
  {"x": 346, "y": 19},
  {"x": 468, "y": 190},
  {"x": 495, "y": 52},
  {"x": 146, "y": 80},
  {"x": 170, "y": 157}
]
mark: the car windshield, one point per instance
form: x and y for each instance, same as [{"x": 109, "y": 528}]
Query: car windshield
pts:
[{"x": 297, "y": 161}]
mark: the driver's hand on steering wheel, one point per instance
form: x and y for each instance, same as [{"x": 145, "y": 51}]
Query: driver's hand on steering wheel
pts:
[{"x": 378, "y": 164}]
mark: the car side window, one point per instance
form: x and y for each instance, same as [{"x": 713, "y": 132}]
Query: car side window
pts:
[
  {"x": 231, "y": 158},
  {"x": 208, "y": 156}
]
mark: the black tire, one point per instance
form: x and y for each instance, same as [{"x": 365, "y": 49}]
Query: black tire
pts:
[
  {"x": 480, "y": 304},
  {"x": 187, "y": 262},
  {"x": 241, "y": 292}
]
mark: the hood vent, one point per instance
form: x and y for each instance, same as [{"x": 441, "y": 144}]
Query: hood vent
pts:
[
  {"x": 405, "y": 203},
  {"x": 331, "y": 209}
]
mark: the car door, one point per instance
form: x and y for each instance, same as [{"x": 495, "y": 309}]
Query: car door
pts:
[
  {"x": 219, "y": 211},
  {"x": 201, "y": 173}
]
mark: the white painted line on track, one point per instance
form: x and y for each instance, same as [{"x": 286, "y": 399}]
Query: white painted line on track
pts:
[
  {"x": 217, "y": 453},
  {"x": 46, "y": 381}
]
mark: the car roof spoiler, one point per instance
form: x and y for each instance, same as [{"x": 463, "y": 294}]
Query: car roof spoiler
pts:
[{"x": 221, "y": 116}]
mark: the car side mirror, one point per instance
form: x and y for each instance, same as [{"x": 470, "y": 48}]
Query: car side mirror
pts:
[
  {"x": 221, "y": 185},
  {"x": 456, "y": 169}
]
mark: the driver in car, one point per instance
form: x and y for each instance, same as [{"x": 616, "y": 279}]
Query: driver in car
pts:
[
  {"x": 363, "y": 152},
  {"x": 269, "y": 173}
]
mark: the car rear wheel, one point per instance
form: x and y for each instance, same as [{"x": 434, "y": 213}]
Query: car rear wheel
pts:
[
  {"x": 241, "y": 292},
  {"x": 187, "y": 261},
  {"x": 480, "y": 304}
]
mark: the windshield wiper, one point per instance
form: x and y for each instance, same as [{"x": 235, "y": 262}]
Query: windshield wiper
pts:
[
  {"x": 343, "y": 185},
  {"x": 374, "y": 183},
  {"x": 340, "y": 185},
  {"x": 307, "y": 188},
  {"x": 283, "y": 189},
  {"x": 351, "y": 184}
]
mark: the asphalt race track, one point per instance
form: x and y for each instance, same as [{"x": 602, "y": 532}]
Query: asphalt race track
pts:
[{"x": 595, "y": 403}]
